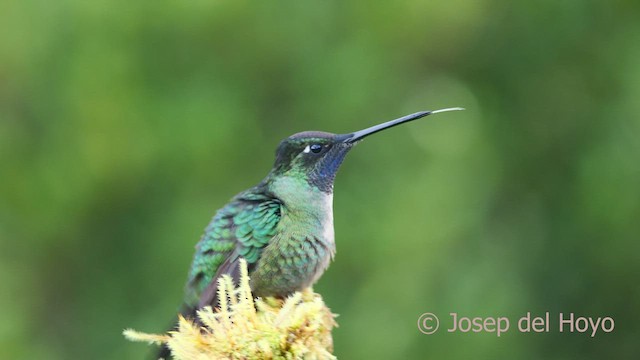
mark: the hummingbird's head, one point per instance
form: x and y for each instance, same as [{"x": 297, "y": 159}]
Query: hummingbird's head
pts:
[{"x": 315, "y": 156}]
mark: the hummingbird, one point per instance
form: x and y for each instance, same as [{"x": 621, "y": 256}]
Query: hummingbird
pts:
[{"x": 282, "y": 227}]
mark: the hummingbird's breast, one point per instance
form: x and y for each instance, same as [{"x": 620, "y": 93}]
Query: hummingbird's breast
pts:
[{"x": 303, "y": 245}]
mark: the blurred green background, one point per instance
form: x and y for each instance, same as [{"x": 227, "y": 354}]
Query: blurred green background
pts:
[{"x": 125, "y": 125}]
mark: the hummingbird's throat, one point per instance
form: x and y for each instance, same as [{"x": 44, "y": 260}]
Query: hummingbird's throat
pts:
[{"x": 324, "y": 172}]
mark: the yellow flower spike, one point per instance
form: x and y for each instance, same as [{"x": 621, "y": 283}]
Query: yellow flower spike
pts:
[
  {"x": 297, "y": 328},
  {"x": 142, "y": 337}
]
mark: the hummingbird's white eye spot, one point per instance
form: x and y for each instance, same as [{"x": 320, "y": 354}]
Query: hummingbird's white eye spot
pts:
[{"x": 307, "y": 149}]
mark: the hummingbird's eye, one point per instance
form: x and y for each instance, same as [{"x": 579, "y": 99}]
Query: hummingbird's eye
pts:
[{"x": 314, "y": 148}]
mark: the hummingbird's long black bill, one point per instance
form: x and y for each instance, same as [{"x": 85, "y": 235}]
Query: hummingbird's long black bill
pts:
[{"x": 359, "y": 135}]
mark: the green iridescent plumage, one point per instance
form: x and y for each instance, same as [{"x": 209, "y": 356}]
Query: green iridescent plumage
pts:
[
  {"x": 283, "y": 227},
  {"x": 242, "y": 228}
]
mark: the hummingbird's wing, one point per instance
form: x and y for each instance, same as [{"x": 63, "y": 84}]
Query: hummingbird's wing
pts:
[{"x": 241, "y": 229}]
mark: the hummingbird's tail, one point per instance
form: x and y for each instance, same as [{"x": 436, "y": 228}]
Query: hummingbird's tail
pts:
[{"x": 164, "y": 353}]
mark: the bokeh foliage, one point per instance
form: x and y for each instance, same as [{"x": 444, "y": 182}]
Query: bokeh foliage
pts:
[{"x": 125, "y": 125}]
